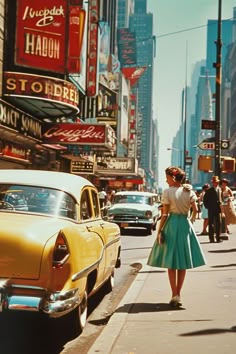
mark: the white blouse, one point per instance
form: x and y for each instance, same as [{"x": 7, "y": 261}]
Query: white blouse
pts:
[{"x": 178, "y": 199}]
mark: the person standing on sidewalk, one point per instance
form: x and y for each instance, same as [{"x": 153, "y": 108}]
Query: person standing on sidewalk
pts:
[
  {"x": 227, "y": 205},
  {"x": 204, "y": 214},
  {"x": 212, "y": 200},
  {"x": 177, "y": 247}
]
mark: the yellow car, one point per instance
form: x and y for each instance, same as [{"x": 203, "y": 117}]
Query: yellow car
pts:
[{"x": 56, "y": 250}]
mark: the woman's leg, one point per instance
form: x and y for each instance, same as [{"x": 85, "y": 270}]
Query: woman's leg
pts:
[
  {"x": 180, "y": 280},
  {"x": 172, "y": 274}
]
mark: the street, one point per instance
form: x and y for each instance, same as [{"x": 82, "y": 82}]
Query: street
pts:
[
  {"x": 24, "y": 333},
  {"x": 29, "y": 335}
]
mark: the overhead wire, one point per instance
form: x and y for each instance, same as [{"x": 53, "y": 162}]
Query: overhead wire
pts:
[{"x": 190, "y": 29}]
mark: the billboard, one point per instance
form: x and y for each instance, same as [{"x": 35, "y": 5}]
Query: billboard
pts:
[
  {"x": 126, "y": 47},
  {"x": 40, "y": 34}
]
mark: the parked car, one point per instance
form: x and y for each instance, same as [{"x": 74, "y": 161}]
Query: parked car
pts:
[
  {"x": 57, "y": 250},
  {"x": 234, "y": 201},
  {"x": 134, "y": 209}
]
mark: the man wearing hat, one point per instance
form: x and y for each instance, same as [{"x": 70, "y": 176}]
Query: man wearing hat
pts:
[{"x": 212, "y": 201}]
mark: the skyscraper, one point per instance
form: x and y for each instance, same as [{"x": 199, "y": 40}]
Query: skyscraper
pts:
[{"x": 141, "y": 23}]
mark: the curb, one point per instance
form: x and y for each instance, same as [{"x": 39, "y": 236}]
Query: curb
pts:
[{"x": 104, "y": 343}]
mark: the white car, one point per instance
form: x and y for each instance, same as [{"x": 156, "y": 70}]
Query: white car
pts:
[
  {"x": 134, "y": 209},
  {"x": 234, "y": 201}
]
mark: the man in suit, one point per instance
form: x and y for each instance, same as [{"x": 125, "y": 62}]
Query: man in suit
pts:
[{"x": 212, "y": 201}]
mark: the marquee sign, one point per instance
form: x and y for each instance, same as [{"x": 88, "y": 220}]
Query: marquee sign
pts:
[
  {"x": 18, "y": 121},
  {"x": 117, "y": 165},
  {"x": 80, "y": 134},
  {"x": 40, "y": 87}
]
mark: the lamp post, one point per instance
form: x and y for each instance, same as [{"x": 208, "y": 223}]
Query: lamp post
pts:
[
  {"x": 179, "y": 158},
  {"x": 217, "y": 66}
]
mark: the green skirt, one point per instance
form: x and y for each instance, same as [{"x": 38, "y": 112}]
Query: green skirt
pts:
[{"x": 180, "y": 249}]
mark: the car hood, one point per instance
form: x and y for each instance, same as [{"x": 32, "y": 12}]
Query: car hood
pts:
[
  {"x": 23, "y": 239},
  {"x": 129, "y": 208}
]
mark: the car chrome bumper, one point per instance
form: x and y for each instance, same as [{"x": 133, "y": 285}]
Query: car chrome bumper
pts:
[{"x": 52, "y": 304}]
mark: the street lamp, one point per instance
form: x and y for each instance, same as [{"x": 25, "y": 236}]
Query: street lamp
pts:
[{"x": 177, "y": 157}]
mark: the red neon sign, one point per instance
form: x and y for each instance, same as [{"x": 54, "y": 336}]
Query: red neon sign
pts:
[{"x": 92, "y": 60}]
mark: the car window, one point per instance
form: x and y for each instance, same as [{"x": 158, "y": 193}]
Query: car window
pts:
[
  {"x": 85, "y": 206},
  {"x": 140, "y": 199},
  {"x": 95, "y": 204},
  {"x": 34, "y": 199}
]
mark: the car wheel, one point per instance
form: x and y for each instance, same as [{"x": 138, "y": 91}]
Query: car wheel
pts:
[
  {"x": 109, "y": 285},
  {"x": 78, "y": 317}
]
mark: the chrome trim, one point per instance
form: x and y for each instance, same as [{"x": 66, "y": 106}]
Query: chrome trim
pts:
[
  {"x": 23, "y": 303},
  {"x": 53, "y": 304}
]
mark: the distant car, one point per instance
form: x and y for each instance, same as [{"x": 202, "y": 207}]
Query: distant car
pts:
[
  {"x": 134, "y": 209},
  {"x": 234, "y": 201},
  {"x": 56, "y": 251}
]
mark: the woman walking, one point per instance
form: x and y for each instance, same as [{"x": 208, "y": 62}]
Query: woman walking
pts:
[{"x": 177, "y": 247}]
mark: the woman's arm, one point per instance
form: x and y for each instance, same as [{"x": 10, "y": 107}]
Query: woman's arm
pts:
[
  {"x": 194, "y": 211},
  {"x": 164, "y": 216}
]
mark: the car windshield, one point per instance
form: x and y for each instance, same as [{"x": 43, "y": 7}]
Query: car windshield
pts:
[
  {"x": 31, "y": 199},
  {"x": 140, "y": 199}
]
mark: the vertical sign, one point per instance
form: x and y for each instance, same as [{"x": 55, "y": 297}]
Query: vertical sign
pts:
[
  {"x": 92, "y": 60},
  {"x": 76, "y": 34}
]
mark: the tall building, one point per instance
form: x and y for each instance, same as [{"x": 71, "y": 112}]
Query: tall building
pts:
[
  {"x": 125, "y": 8},
  {"x": 141, "y": 23}
]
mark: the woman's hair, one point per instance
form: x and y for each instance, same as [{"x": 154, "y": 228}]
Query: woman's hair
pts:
[
  {"x": 206, "y": 186},
  {"x": 224, "y": 180},
  {"x": 176, "y": 172}
]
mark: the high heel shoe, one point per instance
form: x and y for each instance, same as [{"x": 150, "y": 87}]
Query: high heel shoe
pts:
[{"x": 175, "y": 301}]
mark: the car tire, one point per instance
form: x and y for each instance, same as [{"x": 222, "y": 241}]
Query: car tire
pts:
[
  {"x": 78, "y": 317},
  {"x": 109, "y": 285}
]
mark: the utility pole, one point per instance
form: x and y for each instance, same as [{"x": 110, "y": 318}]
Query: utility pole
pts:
[
  {"x": 217, "y": 66},
  {"x": 185, "y": 108}
]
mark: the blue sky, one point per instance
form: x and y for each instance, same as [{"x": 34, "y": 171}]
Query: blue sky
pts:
[{"x": 176, "y": 56}]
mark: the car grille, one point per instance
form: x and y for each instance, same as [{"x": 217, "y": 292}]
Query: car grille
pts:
[{"x": 127, "y": 217}]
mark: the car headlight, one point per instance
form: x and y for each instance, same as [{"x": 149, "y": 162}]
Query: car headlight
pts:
[
  {"x": 110, "y": 216},
  {"x": 148, "y": 214}
]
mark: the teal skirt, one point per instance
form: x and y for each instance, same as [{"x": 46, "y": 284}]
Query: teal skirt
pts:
[{"x": 180, "y": 248}]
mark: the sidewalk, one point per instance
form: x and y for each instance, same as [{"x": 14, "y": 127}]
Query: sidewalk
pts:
[{"x": 144, "y": 322}]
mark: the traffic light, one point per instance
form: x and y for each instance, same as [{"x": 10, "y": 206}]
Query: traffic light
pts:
[
  {"x": 205, "y": 163},
  {"x": 228, "y": 164}
]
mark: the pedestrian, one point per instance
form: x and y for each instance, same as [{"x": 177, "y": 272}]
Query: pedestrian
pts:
[
  {"x": 177, "y": 247},
  {"x": 204, "y": 214},
  {"x": 212, "y": 200},
  {"x": 102, "y": 198},
  {"x": 227, "y": 205}
]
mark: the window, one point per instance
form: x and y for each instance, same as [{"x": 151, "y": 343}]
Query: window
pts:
[
  {"x": 95, "y": 204},
  {"x": 85, "y": 206}
]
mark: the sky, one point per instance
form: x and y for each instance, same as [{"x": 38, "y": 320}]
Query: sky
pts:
[{"x": 176, "y": 55}]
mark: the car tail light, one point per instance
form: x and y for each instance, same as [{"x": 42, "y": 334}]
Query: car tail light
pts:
[
  {"x": 148, "y": 214},
  {"x": 60, "y": 252}
]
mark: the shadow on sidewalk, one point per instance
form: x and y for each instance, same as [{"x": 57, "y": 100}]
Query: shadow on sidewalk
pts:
[
  {"x": 210, "y": 331},
  {"x": 223, "y": 251},
  {"x": 146, "y": 307}
]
